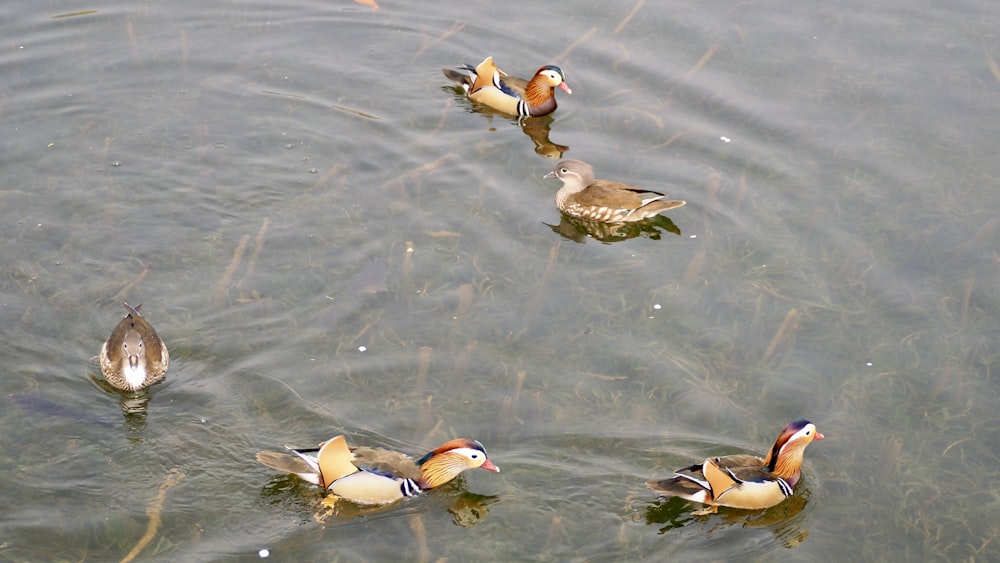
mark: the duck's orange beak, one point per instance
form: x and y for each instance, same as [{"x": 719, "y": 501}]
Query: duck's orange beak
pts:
[
  {"x": 565, "y": 88},
  {"x": 818, "y": 436},
  {"x": 488, "y": 465}
]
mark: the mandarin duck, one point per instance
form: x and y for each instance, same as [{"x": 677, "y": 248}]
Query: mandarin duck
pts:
[
  {"x": 604, "y": 201},
  {"x": 488, "y": 85},
  {"x": 744, "y": 481},
  {"x": 134, "y": 357},
  {"x": 375, "y": 476}
]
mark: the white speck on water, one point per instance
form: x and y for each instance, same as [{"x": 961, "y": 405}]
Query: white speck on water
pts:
[
  {"x": 657, "y": 306},
  {"x": 263, "y": 553},
  {"x": 362, "y": 348},
  {"x": 725, "y": 139}
]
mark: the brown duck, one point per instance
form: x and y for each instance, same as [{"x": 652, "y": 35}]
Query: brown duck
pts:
[
  {"x": 604, "y": 200},
  {"x": 134, "y": 357}
]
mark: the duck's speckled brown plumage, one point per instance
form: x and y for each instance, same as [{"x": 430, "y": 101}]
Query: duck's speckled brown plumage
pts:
[
  {"x": 744, "y": 481},
  {"x": 134, "y": 357},
  {"x": 488, "y": 85},
  {"x": 583, "y": 196}
]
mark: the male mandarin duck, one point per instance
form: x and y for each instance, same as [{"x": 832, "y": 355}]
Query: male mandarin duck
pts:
[
  {"x": 744, "y": 481},
  {"x": 605, "y": 201},
  {"x": 134, "y": 357},
  {"x": 375, "y": 476},
  {"x": 488, "y": 85}
]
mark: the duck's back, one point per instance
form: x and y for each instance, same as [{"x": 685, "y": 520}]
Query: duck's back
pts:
[{"x": 385, "y": 462}]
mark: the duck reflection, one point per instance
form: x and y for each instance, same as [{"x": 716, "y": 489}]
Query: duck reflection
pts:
[
  {"x": 536, "y": 128},
  {"x": 133, "y": 404},
  {"x": 470, "y": 509},
  {"x": 785, "y": 521},
  {"x": 577, "y": 230},
  {"x": 466, "y": 509}
]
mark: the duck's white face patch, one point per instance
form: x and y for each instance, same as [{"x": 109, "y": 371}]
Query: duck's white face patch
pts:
[{"x": 475, "y": 457}]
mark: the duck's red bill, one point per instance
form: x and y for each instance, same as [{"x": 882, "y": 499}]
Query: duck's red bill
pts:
[{"x": 488, "y": 465}]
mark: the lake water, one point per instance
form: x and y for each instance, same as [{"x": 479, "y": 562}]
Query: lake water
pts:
[{"x": 331, "y": 240}]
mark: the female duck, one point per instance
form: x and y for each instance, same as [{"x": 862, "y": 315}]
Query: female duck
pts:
[
  {"x": 744, "y": 481},
  {"x": 604, "y": 201},
  {"x": 488, "y": 85},
  {"x": 134, "y": 357},
  {"x": 375, "y": 476}
]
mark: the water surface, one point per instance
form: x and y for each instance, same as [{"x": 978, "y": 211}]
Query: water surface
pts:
[{"x": 331, "y": 240}]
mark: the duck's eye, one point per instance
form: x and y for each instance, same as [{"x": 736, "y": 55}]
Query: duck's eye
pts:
[
  {"x": 564, "y": 170},
  {"x": 475, "y": 456}
]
